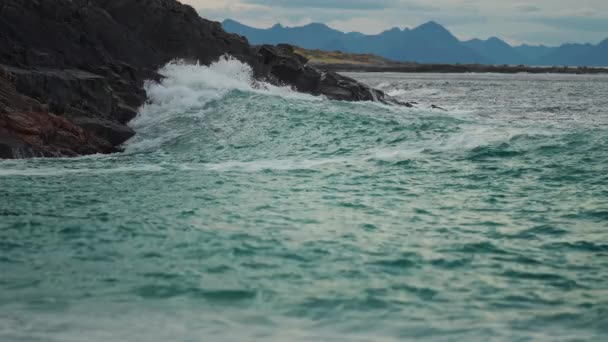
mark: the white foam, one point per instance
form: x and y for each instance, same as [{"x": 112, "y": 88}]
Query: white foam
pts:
[
  {"x": 414, "y": 93},
  {"x": 470, "y": 137},
  {"x": 185, "y": 87},
  {"x": 279, "y": 164},
  {"x": 186, "y": 90},
  {"x": 62, "y": 171}
]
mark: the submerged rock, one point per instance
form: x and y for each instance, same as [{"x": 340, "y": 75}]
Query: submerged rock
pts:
[{"x": 82, "y": 65}]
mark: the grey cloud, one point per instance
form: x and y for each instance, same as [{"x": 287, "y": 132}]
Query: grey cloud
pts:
[
  {"x": 527, "y": 8},
  {"x": 343, "y": 4},
  {"x": 356, "y": 4},
  {"x": 590, "y": 24},
  {"x": 540, "y": 21}
]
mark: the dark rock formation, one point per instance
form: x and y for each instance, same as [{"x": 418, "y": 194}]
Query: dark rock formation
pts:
[
  {"x": 292, "y": 69},
  {"x": 73, "y": 70}
]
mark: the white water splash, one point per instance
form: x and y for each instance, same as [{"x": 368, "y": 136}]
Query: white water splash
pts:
[{"x": 186, "y": 90}]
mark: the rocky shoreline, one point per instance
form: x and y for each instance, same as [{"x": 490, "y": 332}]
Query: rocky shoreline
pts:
[{"x": 72, "y": 71}]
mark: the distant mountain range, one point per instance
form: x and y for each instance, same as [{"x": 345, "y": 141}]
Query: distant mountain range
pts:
[{"x": 427, "y": 43}]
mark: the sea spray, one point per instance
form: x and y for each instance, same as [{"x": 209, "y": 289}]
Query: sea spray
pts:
[{"x": 186, "y": 90}]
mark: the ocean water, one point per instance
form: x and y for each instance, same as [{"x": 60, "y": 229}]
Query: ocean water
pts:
[{"x": 246, "y": 212}]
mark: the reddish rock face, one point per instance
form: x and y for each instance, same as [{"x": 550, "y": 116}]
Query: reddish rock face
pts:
[
  {"x": 49, "y": 135},
  {"x": 28, "y": 129}
]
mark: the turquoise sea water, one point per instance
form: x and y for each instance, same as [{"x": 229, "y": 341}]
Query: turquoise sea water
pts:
[{"x": 246, "y": 212}]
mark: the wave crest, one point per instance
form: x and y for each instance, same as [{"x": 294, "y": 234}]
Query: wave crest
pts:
[{"x": 186, "y": 90}]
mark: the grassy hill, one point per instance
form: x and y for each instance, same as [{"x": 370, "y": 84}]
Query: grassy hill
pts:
[{"x": 339, "y": 57}]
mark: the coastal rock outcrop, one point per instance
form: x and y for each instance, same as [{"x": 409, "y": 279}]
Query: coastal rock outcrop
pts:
[
  {"x": 293, "y": 69},
  {"x": 73, "y": 70}
]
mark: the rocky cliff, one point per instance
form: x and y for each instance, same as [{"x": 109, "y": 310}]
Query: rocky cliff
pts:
[{"x": 72, "y": 71}]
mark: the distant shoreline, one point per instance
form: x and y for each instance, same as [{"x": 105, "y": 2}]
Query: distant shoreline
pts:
[
  {"x": 457, "y": 68},
  {"x": 351, "y": 62}
]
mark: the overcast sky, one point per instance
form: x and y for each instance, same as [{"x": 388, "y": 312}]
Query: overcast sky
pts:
[{"x": 550, "y": 22}]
